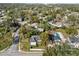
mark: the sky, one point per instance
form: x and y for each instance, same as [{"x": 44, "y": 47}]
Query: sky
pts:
[{"x": 39, "y": 1}]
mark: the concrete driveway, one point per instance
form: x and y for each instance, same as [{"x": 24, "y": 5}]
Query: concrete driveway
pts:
[{"x": 13, "y": 51}]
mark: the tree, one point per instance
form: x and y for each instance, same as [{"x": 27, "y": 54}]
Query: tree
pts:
[
  {"x": 25, "y": 45},
  {"x": 47, "y": 26},
  {"x": 44, "y": 39},
  {"x": 61, "y": 50},
  {"x": 24, "y": 38},
  {"x": 71, "y": 31},
  {"x": 5, "y": 40},
  {"x": 32, "y": 32},
  {"x": 73, "y": 19},
  {"x": 34, "y": 19}
]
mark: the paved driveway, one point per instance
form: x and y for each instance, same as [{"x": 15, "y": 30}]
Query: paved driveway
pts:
[{"x": 13, "y": 51}]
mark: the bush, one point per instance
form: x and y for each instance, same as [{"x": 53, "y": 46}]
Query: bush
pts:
[
  {"x": 61, "y": 50},
  {"x": 25, "y": 44},
  {"x": 5, "y": 40},
  {"x": 44, "y": 39},
  {"x": 71, "y": 31},
  {"x": 32, "y": 32}
]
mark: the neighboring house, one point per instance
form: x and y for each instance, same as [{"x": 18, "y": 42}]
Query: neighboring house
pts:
[
  {"x": 40, "y": 29},
  {"x": 73, "y": 42},
  {"x": 22, "y": 18},
  {"x": 18, "y": 19},
  {"x": 57, "y": 37},
  {"x": 61, "y": 36},
  {"x": 57, "y": 24},
  {"x": 57, "y": 8},
  {"x": 22, "y": 23},
  {"x": 34, "y": 40},
  {"x": 35, "y": 25}
]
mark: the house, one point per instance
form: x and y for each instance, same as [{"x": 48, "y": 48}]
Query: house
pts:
[
  {"x": 40, "y": 29},
  {"x": 34, "y": 40},
  {"x": 73, "y": 42},
  {"x": 61, "y": 36},
  {"x": 57, "y": 37},
  {"x": 22, "y": 18},
  {"x": 35, "y": 25},
  {"x": 18, "y": 19},
  {"x": 57, "y": 24},
  {"x": 22, "y": 23},
  {"x": 57, "y": 8}
]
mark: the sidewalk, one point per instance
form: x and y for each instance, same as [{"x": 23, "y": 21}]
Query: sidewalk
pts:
[
  {"x": 4, "y": 49},
  {"x": 33, "y": 51}
]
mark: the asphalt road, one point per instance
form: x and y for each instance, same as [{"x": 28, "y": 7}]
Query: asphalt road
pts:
[{"x": 13, "y": 51}]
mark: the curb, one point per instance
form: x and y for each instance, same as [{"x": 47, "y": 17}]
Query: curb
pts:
[
  {"x": 4, "y": 50},
  {"x": 21, "y": 51},
  {"x": 29, "y": 51}
]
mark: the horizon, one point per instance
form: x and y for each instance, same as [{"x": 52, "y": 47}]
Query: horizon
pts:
[{"x": 42, "y": 1}]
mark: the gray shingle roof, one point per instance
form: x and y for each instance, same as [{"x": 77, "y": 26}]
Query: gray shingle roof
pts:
[{"x": 34, "y": 38}]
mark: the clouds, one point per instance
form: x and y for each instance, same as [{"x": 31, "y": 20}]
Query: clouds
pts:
[{"x": 39, "y": 1}]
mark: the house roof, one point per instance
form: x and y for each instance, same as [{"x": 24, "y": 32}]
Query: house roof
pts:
[
  {"x": 74, "y": 39},
  {"x": 34, "y": 38},
  {"x": 56, "y": 36},
  {"x": 40, "y": 29}
]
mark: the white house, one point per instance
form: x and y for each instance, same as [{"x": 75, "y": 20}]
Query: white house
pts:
[
  {"x": 34, "y": 40},
  {"x": 40, "y": 29},
  {"x": 35, "y": 25}
]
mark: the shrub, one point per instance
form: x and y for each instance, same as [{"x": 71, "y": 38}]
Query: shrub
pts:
[
  {"x": 5, "y": 41},
  {"x": 61, "y": 50},
  {"x": 44, "y": 39},
  {"x": 25, "y": 44}
]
